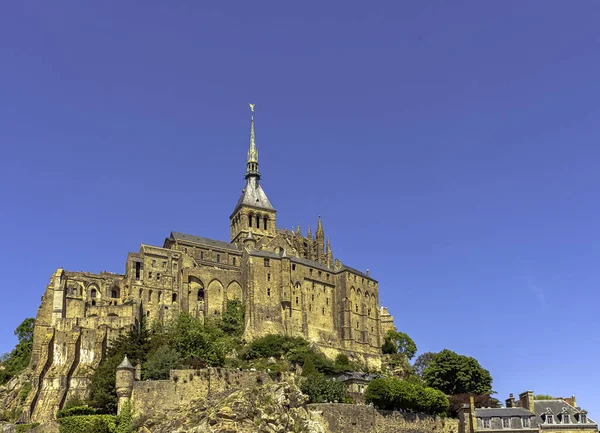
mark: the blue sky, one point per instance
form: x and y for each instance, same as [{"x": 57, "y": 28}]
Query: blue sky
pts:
[{"x": 450, "y": 147}]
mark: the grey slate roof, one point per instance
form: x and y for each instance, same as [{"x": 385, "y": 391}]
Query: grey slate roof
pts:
[
  {"x": 502, "y": 412},
  {"x": 556, "y": 407},
  {"x": 356, "y": 271},
  {"x": 311, "y": 263},
  {"x": 354, "y": 375},
  {"x": 203, "y": 241},
  {"x": 253, "y": 195},
  {"x": 125, "y": 364}
]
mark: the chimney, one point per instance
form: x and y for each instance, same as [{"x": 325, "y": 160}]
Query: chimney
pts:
[
  {"x": 510, "y": 401},
  {"x": 572, "y": 401},
  {"x": 526, "y": 401},
  {"x": 466, "y": 417},
  {"x": 368, "y": 272}
]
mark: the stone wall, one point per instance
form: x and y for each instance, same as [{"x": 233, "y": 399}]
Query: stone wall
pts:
[
  {"x": 184, "y": 387},
  {"x": 347, "y": 418}
]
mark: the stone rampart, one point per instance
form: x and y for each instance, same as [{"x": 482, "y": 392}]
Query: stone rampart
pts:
[
  {"x": 348, "y": 418},
  {"x": 184, "y": 387}
]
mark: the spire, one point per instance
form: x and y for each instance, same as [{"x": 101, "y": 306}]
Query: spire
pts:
[
  {"x": 309, "y": 234},
  {"x": 320, "y": 233},
  {"x": 298, "y": 230},
  {"x": 252, "y": 164},
  {"x": 329, "y": 254}
]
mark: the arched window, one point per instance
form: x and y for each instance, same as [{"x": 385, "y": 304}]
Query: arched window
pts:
[
  {"x": 93, "y": 293},
  {"x": 250, "y": 220},
  {"x": 141, "y": 293},
  {"x": 174, "y": 297},
  {"x": 201, "y": 295},
  {"x": 93, "y": 303},
  {"x": 149, "y": 295},
  {"x": 113, "y": 293},
  {"x": 257, "y": 221},
  {"x": 265, "y": 223},
  {"x": 159, "y": 296}
]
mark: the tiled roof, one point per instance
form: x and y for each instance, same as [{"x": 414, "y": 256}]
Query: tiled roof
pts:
[
  {"x": 253, "y": 195},
  {"x": 502, "y": 412}
]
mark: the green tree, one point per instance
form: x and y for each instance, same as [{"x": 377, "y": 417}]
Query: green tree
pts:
[
  {"x": 18, "y": 359},
  {"x": 543, "y": 397},
  {"x": 422, "y": 362},
  {"x": 399, "y": 342},
  {"x": 194, "y": 340},
  {"x": 135, "y": 343},
  {"x": 393, "y": 393},
  {"x": 308, "y": 368},
  {"x": 160, "y": 362},
  {"x": 232, "y": 322},
  {"x": 321, "y": 389},
  {"x": 452, "y": 373}
]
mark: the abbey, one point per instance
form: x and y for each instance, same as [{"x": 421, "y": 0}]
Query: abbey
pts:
[{"x": 289, "y": 282}]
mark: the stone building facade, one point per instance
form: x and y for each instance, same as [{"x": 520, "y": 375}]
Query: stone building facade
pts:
[{"x": 289, "y": 281}]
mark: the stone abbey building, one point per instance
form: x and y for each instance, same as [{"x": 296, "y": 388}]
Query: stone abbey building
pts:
[{"x": 289, "y": 282}]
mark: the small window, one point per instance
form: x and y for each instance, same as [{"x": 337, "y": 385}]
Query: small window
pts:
[
  {"x": 312, "y": 297},
  {"x": 326, "y": 301},
  {"x": 158, "y": 276},
  {"x": 93, "y": 294},
  {"x": 323, "y": 311},
  {"x": 293, "y": 267},
  {"x": 320, "y": 273},
  {"x": 159, "y": 296},
  {"x": 566, "y": 418},
  {"x": 141, "y": 293},
  {"x": 149, "y": 295},
  {"x": 268, "y": 292},
  {"x": 113, "y": 294},
  {"x": 549, "y": 419},
  {"x": 149, "y": 275},
  {"x": 327, "y": 276},
  {"x": 583, "y": 418},
  {"x": 363, "y": 280},
  {"x": 234, "y": 261},
  {"x": 200, "y": 295},
  {"x": 356, "y": 325},
  {"x": 153, "y": 263},
  {"x": 174, "y": 297},
  {"x": 175, "y": 266},
  {"x": 267, "y": 263},
  {"x": 268, "y": 277},
  {"x": 525, "y": 422},
  {"x": 93, "y": 302},
  {"x": 218, "y": 258},
  {"x": 310, "y": 307},
  {"x": 371, "y": 329},
  {"x": 357, "y": 308},
  {"x": 505, "y": 422},
  {"x": 355, "y": 278},
  {"x": 201, "y": 255},
  {"x": 164, "y": 265},
  {"x": 486, "y": 422},
  {"x": 296, "y": 300},
  {"x": 138, "y": 267}
]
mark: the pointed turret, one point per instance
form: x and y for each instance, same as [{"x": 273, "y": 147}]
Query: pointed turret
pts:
[
  {"x": 253, "y": 210},
  {"x": 309, "y": 234},
  {"x": 329, "y": 254},
  {"x": 320, "y": 244}
]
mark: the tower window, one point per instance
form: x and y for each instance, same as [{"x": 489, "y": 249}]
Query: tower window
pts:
[
  {"x": 234, "y": 261},
  {"x": 113, "y": 294},
  {"x": 250, "y": 220},
  {"x": 150, "y": 296},
  {"x": 138, "y": 267},
  {"x": 257, "y": 222},
  {"x": 201, "y": 255},
  {"x": 326, "y": 301},
  {"x": 357, "y": 308},
  {"x": 93, "y": 293},
  {"x": 265, "y": 223},
  {"x": 319, "y": 273},
  {"x": 310, "y": 271},
  {"x": 150, "y": 275},
  {"x": 158, "y": 276},
  {"x": 296, "y": 300},
  {"x": 323, "y": 311},
  {"x": 293, "y": 267},
  {"x": 159, "y": 296},
  {"x": 356, "y": 325},
  {"x": 141, "y": 293},
  {"x": 268, "y": 292},
  {"x": 153, "y": 263},
  {"x": 267, "y": 262},
  {"x": 312, "y": 297},
  {"x": 174, "y": 297},
  {"x": 328, "y": 276},
  {"x": 218, "y": 258}
]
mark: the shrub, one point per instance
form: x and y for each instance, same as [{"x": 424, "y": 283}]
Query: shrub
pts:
[
  {"x": 392, "y": 393},
  {"x": 24, "y": 392},
  {"x": 321, "y": 389},
  {"x": 275, "y": 345},
  {"x": 160, "y": 363},
  {"x": 88, "y": 424},
  {"x": 75, "y": 411},
  {"x": 22, "y": 428}
]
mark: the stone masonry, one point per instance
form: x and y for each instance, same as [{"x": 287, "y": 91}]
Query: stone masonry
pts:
[{"x": 289, "y": 281}]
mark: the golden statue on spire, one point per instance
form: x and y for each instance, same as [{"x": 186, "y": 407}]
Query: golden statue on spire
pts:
[{"x": 251, "y": 107}]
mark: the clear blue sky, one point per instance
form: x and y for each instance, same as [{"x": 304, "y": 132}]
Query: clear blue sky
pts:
[{"x": 450, "y": 147}]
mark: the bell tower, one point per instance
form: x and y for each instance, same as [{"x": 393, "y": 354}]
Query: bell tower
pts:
[{"x": 253, "y": 212}]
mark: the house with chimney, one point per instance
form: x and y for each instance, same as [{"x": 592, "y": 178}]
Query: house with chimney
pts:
[{"x": 528, "y": 415}]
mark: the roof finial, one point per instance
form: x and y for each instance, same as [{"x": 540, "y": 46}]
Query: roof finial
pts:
[
  {"x": 320, "y": 233},
  {"x": 252, "y": 164}
]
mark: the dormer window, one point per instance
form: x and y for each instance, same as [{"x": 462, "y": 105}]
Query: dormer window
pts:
[
  {"x": 566, "y": 418},
  {"x": 583, "y": 418},
  {"x": 486, "y": 422},
  {"x": 526, "y": 423},
  {"x": 505, "y": 422},
  {"x": 549, "y": 418}
]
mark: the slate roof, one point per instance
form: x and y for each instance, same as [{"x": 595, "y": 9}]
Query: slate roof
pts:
[
  {"x": 556, "y": 407},
  {"x": 356, "y": 271},
  {"x": 354, "y": 375},
  {"x": 253, "y": 195},
  {"x": 502, "y": 412},
  {"x": 311, "y": 263},
  {"x": 125, "y": 364},
  {"x": 203, "y": 241}
]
